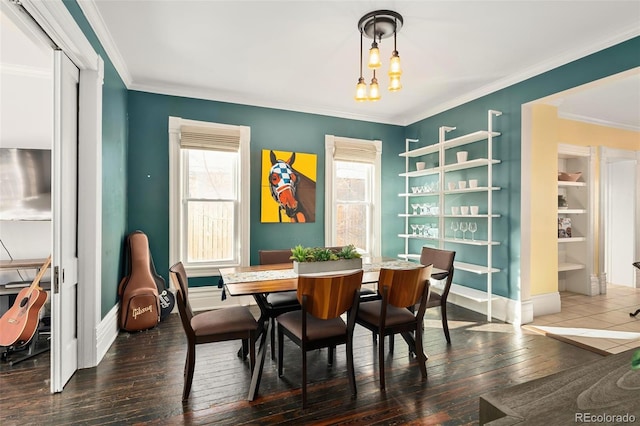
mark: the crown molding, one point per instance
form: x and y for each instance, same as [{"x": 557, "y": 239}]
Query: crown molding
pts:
[
  {"x": 540, "y": 68},
  {"x": 212, "y": 95},
  {"x": 98, "y": 25},
  {"x": 599, "y": 122}
]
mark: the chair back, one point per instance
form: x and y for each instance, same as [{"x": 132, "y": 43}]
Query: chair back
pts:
[
  {"x": 181, "y": 284},
  {"x": 441, "y": 259},
  {"x": 328, "y": 296},
  {"x": 271, "y": 257},
  {"x": 404, "y": 288}
]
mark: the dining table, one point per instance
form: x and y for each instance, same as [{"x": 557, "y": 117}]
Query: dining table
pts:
[{"x": 258, "y": 280}]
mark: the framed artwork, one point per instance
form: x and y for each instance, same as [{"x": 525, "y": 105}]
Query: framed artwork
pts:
[{"x": 288, "y": 186}]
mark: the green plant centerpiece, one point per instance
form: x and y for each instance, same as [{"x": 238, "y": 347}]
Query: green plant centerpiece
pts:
[{"x": 310, "y": 260}]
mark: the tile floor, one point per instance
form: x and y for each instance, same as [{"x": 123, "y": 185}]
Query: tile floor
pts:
[{"x": 599, "y": 323}]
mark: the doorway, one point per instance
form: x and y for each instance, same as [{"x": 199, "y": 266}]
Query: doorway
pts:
[
  {"x": 53, "y": 19},
  {"x": 619, "y": 171}
]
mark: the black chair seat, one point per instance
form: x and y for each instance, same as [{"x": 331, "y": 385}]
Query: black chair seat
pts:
[
  {"x": 370, "y": 312},
  {"x": 317, "y": 329},
  {"x": 285, "y": 298}
]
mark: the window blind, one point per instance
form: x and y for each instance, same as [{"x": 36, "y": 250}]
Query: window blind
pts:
[
  {"x": 356, "y": 151},
  {"x": 213, "y": 138}
]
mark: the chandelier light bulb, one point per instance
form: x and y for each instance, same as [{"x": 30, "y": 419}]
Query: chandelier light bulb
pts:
[
  {"x": 395, "y": 69},
  {"x": 374, "y": 89},
  {"x": 361, "y": 90},
  {"x": 374, "y": 57},
  {"x": 394, "y": 83}
]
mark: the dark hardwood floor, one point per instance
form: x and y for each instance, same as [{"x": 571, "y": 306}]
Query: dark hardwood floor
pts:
[{"x": 140, "y": 380}]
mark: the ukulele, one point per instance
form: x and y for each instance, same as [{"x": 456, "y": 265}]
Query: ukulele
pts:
[{"x": 19, "y": 323}]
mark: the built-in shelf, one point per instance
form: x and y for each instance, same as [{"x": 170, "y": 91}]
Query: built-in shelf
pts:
[
  {"x": 565, "y": 266},
  {"x": 574, "y": 184},
  {"x": 471, "y": 242},
  {"x": 476, "y": 269},
  {"x": 572, "y": 211},
  {"x": 478, "y": 162},
  {"x": 572, "y": 240},
  {"x": 419, "y": 194},
  {"x": 467, "y": 190}
]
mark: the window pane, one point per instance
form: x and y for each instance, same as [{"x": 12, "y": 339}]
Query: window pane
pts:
[
  {"x": 352, "y": 181},
  {"x": 210, "y": 231},
  {"x": 211, "y": 174},
  {"x": 352, "y": 222}
]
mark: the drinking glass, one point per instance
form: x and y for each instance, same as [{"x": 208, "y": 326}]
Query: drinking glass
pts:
[
  {"x": 420, "y": 229},
  {"x": 454, "y": 228},
  {"x": 427, "y": 226},
  {"x": 473, "y": 227},
  {"x": 415, "y": 207},
  {"x": 464, "y": 227},
  {"x": 413, "y": 228}
]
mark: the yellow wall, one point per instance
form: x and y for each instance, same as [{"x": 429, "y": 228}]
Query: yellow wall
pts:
[
  {"x": 548, "y": 130},
  {"x": 544, "y": 193}
]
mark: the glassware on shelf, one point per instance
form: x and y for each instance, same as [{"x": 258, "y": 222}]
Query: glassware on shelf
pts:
[
  {"x": 420, "y": 229},
  {"x": 464, "y": 227},
  {"x": 473, "y": 227},
  {"x": 415, "y": 208},
  {"x": 454, "y": 228},
  {"x": 414, "y": 227},
  {"x": 425, "y": 232},
  {"x": 424, "y": 209}
]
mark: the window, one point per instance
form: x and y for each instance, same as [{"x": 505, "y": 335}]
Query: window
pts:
[
  {"x": 353, "y": 174},
  {"x": 209, "y": 195}
]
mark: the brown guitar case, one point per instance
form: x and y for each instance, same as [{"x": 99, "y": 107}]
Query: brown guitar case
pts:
[{"x": 138, "y": 292}]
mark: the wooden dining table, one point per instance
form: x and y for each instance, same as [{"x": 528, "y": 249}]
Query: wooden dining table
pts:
[{"x": 258, "y": 280}]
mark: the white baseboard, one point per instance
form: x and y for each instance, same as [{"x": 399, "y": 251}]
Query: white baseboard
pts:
[
  {"x": 526, "y": 311},
  {"x": 106, "y": 332},
  {"x": 545, "y": 304},
  {"x": 502, "y": 308}
]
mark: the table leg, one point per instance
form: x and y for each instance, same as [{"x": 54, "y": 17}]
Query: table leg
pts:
[
  {"x": 257, "y": 370},
  {"x": 260, "y": 300}
]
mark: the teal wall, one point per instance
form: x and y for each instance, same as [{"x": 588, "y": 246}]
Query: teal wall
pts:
[
  {"x": 472, "y": 116},
  {"x": 148, "y": 165},
  {"x": 114, "y": 170},
  {"x": 135, "y": 161}
]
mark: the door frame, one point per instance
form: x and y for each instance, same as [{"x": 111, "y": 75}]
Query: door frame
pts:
[{"x": 56, "y": 21}]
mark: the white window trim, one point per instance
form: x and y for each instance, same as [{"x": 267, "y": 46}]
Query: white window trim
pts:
[
  {"x": 175, "y": 183},
  {"x": 329, "y": 191}
]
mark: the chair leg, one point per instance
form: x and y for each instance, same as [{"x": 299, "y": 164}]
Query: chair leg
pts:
[
  {"x": 280, "y": 350},
  {"x": 273, "y": 338},
  {"x": 381, "y": 360},
  {"x": 330, "y": 354},
  {"x": 252, "y": 351},
  {"x": 189, "y": 367},
  {"x": 445, "y": 324},
  {"x": 350, "y": 370},
  {"x": 422, "y": 358},
  {"x": 374, "y": 336},
  {"x": 392, "y": 341},
  {"x": 304, "y": 378}
]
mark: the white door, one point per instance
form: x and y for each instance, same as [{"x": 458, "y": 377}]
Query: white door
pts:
[{"x": 64, "y": 336}]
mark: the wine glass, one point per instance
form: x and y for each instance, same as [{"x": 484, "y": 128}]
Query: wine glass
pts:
[
  {"x": 415, "y": 207},
  {"x": 454, "y": 228},
  {"x": 420, "y": 229},
  {"x": 413, "y": 228},
  {"x": 464, "y": 227},
  {"x": 473, "y": 227},
  {"x": 427, "y": 226}
]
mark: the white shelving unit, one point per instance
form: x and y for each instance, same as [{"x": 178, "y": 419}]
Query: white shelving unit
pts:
[
  {"x": 575, "y": 253},
  {"x": 435, "y": 178}
]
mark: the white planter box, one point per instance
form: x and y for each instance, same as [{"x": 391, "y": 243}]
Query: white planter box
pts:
[{"x": 327, "y": 266}]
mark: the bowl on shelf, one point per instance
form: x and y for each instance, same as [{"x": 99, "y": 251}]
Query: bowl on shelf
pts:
[{"x": 569, "y": 177}]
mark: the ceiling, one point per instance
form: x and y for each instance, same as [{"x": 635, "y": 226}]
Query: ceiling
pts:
[{"x": 303, "y": 55}]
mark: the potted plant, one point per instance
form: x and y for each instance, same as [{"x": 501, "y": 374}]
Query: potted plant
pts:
[{"x": 309, "y": 260}]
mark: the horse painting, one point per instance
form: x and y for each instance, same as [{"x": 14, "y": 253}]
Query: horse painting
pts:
[{"x": 293, "y": 192}]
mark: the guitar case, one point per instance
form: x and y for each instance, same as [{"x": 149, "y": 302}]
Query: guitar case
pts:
[{"x": 144, "y": 298}]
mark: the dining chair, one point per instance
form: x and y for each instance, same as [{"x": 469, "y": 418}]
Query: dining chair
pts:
[
  {"x": 275, "y": 304},
  {"x": 318, "y": 324},
  {"x": 401, "y": 289},
  {"x": 440, "y": 259},
  {"x": 219, "y": 325}
]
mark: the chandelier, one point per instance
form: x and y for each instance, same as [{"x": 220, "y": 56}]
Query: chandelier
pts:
[{"x": 378, "y": 25}]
